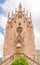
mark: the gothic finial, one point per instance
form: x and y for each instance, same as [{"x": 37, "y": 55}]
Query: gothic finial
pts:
[
  {"x": 12, "y": 13},
  {"x": 24, "y": 9},
  {"x": 15, "y": 10},
  {"x": 27, "y": 13},
  {"x": 20, "y": 7},
  {"x": 30, "y": 15},
  {"x": 8, "y": 14}
]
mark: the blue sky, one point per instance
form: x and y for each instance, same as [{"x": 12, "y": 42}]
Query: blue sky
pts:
[
  {"x": 2, "y": 1},
  {"x": 1, "y": 30},
  {"x": 1, "y": 10},
  {"x": 30, "y": 5}
]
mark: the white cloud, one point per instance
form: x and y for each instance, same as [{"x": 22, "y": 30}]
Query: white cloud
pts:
[
  {"x": 37, "y": 39},
  {"x": 1, "y": 44},
  {"x": 3, "y": 21},
  {"x": 35, "y": 7}
]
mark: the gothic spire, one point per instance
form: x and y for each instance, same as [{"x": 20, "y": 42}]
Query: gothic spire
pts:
[
  {"x": 8, "y": 14},
  {"x": 30, "y": 15},
  {"x": 20, "y": 7},
  {"x": 27, "y": 13}
]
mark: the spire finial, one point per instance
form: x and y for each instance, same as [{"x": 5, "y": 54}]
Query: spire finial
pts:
[
  {"x": 20, "y": 7},
  {"x": 12, "y": 13},
  {"x": 27, "y": 13},
  {"x": 30, "y": 15},
  {"x": 24, "y": 9},
  {"x": 8, "y": 14},
  {"x": 20, "y": 4}
]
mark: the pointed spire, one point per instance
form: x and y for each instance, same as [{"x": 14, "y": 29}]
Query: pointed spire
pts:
[
  {"x": 12, "y": 13},
  {"x": 27, "y": 13},
  {"x": 20, "y": 7},
  {"x": 24, "y": 9},
  {"x": 30, "y": 15},
  {"x": 8, "y": 14}
]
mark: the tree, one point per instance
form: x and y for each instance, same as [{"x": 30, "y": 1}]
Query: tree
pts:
[{"x": 20, "y": 61}]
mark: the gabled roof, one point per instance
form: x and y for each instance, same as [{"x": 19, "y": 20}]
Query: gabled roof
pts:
[{"x": 20, "y": 11}]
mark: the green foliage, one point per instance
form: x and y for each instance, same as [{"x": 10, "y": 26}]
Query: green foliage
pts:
[
  {"x": 20, "y": 61},
  {"x": 0, "y": 61}
]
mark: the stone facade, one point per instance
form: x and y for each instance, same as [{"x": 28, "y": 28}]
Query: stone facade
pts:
[{"x": 19, "y": 35}]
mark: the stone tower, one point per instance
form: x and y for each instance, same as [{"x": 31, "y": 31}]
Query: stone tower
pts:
[{"x": 19, "y": 35}]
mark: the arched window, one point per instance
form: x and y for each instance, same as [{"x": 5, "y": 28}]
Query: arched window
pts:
[
  {"x": 18, "y": 45},
  {"x": 19, "y": 29}
]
